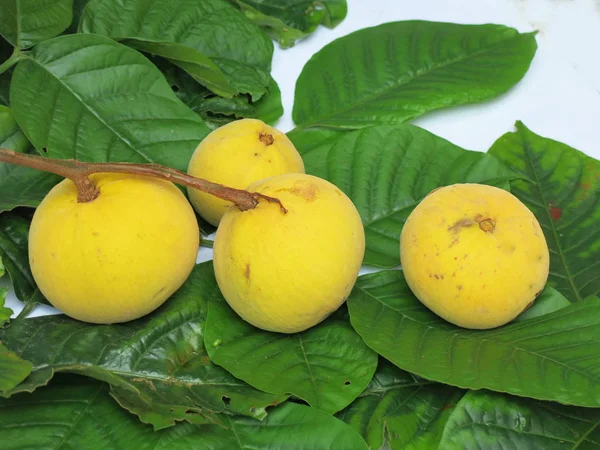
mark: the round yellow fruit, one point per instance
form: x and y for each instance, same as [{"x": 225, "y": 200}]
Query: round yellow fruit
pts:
[
  {"x": 236, "y": 155},
  {"x": 474, "y": 254},
  {"x": 117, "y": 257},
  {"x": 287, "y": 272}
]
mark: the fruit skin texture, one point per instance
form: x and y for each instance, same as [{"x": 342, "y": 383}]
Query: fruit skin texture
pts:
[
  {"x": 464, "y": 271},
  {"x": 117, "y": 257},
  {"x": 236, "y": 155},
  {"x": 287, "y": 272}
]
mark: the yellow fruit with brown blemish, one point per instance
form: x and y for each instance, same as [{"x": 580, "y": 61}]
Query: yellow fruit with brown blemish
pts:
[
  {"x": 236, "y": 155},
  {"x": 287, "y": 272},
  {"x": 474, "y": 254},
  {"x": 117, "y": 257}
]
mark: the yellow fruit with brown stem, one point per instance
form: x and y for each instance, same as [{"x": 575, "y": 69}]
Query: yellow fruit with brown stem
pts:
[
  {"x": 236, "y": 155},
  {"x": 288, "y": 272},
  {"x": 474, "y": 254},
  {"x": 117, "y": 257}
]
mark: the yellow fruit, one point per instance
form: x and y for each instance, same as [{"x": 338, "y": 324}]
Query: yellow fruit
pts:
[
  {"x": 288, "y": 272},
  {"x": 474, "y": 255},
  {"x": 117, "y": 257},
  {"x": 236, "y": 155}
]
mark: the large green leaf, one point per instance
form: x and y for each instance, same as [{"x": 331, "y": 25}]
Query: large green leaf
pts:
[
  {"x": 90, "y": 98},
  {"x": 486, "y": 420},
  {"x": 14, "y": 235},
  {"x": 562, "y": 187},
  {"x": 157, "y": 365},
  {"x": 216, "y": 110},
  {"x": 77, "y": 413},
  {"x": 287, "y": 21},
  {"x": 20, "y": 186},
  {"x": 13, "y": 370},
  {"x": 387, "y": 170},
  {"x": 328, "y": 365},
  {"x": 210, "y": 39},
  {"x": 397, "y": 71},
  {"x": 552, "y": 357},
  {"x": 402, "y": 411},
  {"x": 25, "y": 23}
]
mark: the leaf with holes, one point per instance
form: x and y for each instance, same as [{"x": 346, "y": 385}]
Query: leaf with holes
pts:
[
  {"x": 328, "y": 365},
  {"x": 288, "y": 21},
  {"x": 551, "y": 357},
  {"x": 397, "y": 71},
  {"x": 211, "y": 39},
  {"x": 387, "y": 170},
  {"x": 92, "y": 99},
  {"x": 20, "y": 186},
  {"x": 401, "y": 411},
  {"x": 562, "y": 187},
  {"x": 157, "y": 365},
  {"x": 215, "y": 110},
  {"x": 14, "y": 235},
  {"x": 75, "y": 412},
  {"x": 24, "y": 23},
  {"x": 484, "y": 420}
]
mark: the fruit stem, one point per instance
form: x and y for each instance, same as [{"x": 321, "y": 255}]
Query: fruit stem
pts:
[{"x": 78, "y": 172}]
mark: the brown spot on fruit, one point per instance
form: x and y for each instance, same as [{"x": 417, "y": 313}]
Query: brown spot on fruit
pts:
[
  {"x": 436, "y": 277},
  {"x": 464, "y": 223},
  {"x": 487, "y": 225},
  {"x": 459, "y": 287},
  {"x": 306, "y": 190},
  {"x": 247, "y": 273},
  {"x": 454, "y": 275},
  {"x": 454, "y": 242},
  {"x": 266, "y": 138},
  {"x": 555, "y": 212}
]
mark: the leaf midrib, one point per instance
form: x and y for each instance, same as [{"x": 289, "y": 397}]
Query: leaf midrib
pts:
[
  {"x": 382, "y": 92},
  {"x": 551, "y": 222}
]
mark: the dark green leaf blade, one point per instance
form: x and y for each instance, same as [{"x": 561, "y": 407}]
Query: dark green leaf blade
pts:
[
  {"x": 387, "y": 170},
  {"x": 401, "y": 411},
  {"x": 92, "y": 99},
  {"x": 14, "y": 238},
  {"x": 20, "y": 186},
  {"x": 551, "y": 357},
  {"x": 397, "y": 71},
  {"x": 328, "y": 365},
  {"x": 211, "y": 39},
  {"x": 491, "y": 420},
  {"x": 562, "y": 187},
  {"x": 157, "y": 365},
  {"x": 25, "y": 23},
  {"x": 74, "y": 412},
  {"x": 13, "y": 370},
  {"x": 288, "y": 21}
]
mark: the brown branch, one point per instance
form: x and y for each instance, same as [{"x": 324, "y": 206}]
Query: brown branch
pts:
[{"x": 78, "y": 172}]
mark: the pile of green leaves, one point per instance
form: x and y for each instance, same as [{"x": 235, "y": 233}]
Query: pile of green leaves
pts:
[{"x": 99, "y": 81}]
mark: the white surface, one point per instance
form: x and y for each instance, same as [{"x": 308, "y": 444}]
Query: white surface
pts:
[{"x": 558, "y": 98}]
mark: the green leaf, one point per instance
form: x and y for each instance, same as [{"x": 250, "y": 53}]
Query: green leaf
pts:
[
  {"x": 328, "y": 365},
  {"x": 560, "y": 185},
  {"x": 20, "y": 186},
  {"x": 219, "y": 110},
  {"x": 92, "y": 99},
  {"x": 288, "y": 21},
  {"x": 551, "y": 357},
  {"x": 13, "y": 370},
  {"x": 387, "y": 170},
  {"x": 547, "y": 302},
  {"x": 157, "y": 365},
  {"x": 5, "y": 313},
  {"x": 485, "y": 420},
  {"x": 78, "y": 413},
  {"x": 25, "y": 23},
  {"x": 14, "y": 235},
  {"x": 5, "y": 87},
  {"x": 211, "y": 40},
  {"x": 401, "y": 411},
  {"x": 397, "y": 71}
]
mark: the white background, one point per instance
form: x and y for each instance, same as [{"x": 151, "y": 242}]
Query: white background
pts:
[{"x": 558, "y": 98}]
